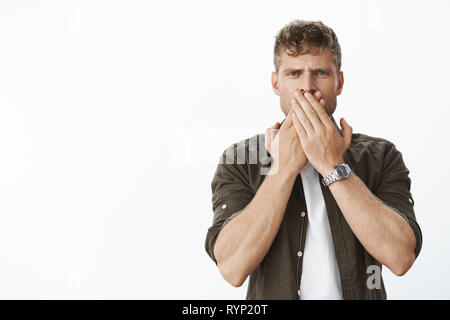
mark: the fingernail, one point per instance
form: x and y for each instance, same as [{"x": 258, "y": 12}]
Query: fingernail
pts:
[{"x": 297, "y": 93}]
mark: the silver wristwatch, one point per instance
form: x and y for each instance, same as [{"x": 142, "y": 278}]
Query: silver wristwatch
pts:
[{"x": 341, "y": 171}]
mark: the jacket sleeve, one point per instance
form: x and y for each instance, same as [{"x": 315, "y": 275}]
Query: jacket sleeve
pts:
[
  {"x": 231, "y": 193},
  {"x": 394, "y": 190}
]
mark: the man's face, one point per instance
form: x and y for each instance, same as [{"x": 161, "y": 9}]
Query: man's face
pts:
[{"x": 308, "y": 72}]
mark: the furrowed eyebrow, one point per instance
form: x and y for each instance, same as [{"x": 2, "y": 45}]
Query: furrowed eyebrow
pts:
[
  {"x": 323, "y": 69},
  {"x": 292, "y": 70},
  {"x": 289, "y": 70}
]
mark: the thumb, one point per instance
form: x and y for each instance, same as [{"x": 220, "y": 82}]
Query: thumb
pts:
[
  {"x": 276, "y": 125},
  {"x": 270, "y": 132},
  {"x": 347, "y": 131}
]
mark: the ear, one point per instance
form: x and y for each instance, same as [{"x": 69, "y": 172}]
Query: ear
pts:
[
  {"x": 275, "y": 83},
  {"x": 340, "y": 84}
]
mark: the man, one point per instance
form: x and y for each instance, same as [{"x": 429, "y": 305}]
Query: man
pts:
[{"x": 334, "y": 206}]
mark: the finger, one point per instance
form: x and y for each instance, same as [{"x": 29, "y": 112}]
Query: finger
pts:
[
  {"x": 309, "y": 111},
  {"x": 268, "y": 139},
  {"x": 318, "y": 108},
  {"x": 273, "y": 129},
  {"x": 347, "y": 131},
  {"x": 270, "y": 133},
  {"x": 299, "y": 127},
  {"x": 301, "y": 116},
  {"x": 287, "y": 123},
  {"x": 278, "y": 128},
  {"x": 318, "y": 95}
]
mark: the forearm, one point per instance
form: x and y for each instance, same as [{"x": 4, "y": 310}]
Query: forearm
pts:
[
  {"x": 244, "y": 241},
  {"x": 382, "y": 231}
]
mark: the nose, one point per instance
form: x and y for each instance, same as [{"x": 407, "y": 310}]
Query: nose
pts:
[{"x": 307, "y": 84}]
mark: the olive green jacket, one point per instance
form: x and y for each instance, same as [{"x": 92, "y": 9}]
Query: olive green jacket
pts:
[{"x": 238, "y": 176}]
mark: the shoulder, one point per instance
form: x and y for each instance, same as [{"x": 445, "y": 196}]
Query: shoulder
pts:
[
  {"x": 250, "y": 150},
  {"x": 363, "y": 144},
  {"x": 360, "y": 140},
  {"x": 372, "y": 158},
  {"x": 247, "y": 142},
  {"x": 246, "y": 161}
]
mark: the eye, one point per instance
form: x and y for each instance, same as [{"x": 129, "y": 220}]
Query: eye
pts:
[
  {"x": 322, "y": 73},
  {"x": 291, "y": 73}
]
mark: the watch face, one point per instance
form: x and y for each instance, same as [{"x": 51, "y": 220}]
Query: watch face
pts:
[{"x": 341, "y": 170}]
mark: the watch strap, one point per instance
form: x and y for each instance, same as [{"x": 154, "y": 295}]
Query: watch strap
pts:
[{"x": 334, "y": 176}]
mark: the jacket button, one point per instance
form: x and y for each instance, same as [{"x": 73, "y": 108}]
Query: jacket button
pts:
[
  {"x": 298, "y": 292},
  {"x": 224, "y": 206},
  {"x": 302, "y": 214},
  {"x": 299, "y": 253}
]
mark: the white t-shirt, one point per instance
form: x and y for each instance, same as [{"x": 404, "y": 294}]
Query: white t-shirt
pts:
[{"x": 320, "y": 275}]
